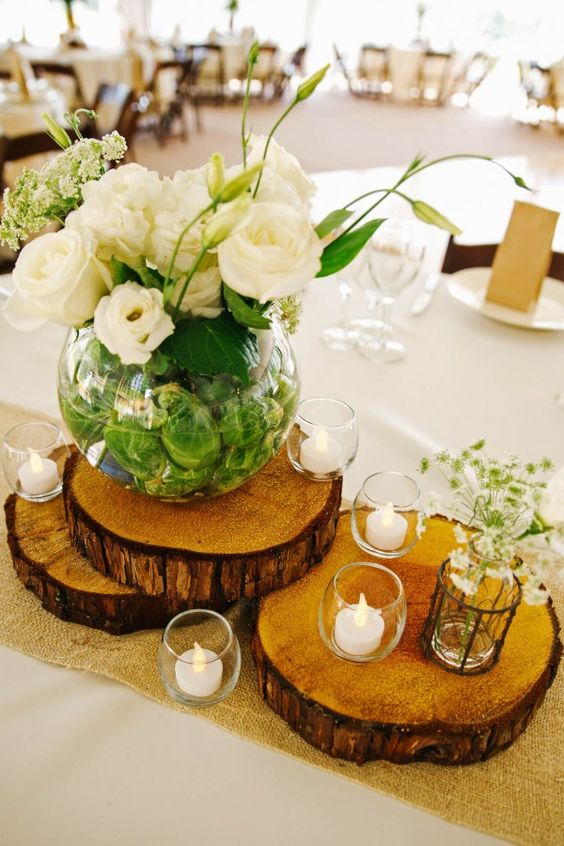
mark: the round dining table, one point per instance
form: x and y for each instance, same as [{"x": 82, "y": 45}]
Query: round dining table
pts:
[{"x": 87, "y": 760}]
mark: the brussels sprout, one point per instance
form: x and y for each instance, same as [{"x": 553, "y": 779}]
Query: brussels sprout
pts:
[
  {"x": 85, "y": 426},
  {"x": 137, "y": 450},
  {"x": 243, "y": 424},
  {"x": 177, "y": 482},
  {"x": 190, "y": 434},
  {"x": 215, "y": 389},
  {"x": 240, "y": 464}
]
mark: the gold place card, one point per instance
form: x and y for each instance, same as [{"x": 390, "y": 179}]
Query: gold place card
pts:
[{"x": 522, "y": 259}]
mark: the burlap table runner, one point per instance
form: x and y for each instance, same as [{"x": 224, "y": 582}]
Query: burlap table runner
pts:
[{"x": 517, "y": 795}]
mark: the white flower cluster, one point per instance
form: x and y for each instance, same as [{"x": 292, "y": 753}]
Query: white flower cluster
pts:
[
  {"x": 52, "y": 192},
  {"x": 516, "y": 521},
  {"x": 258, "y": 240}
]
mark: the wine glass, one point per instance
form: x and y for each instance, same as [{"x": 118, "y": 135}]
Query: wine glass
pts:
[
  {"x": 342, "y": 335},
  {"x": 393, "y": 258}
]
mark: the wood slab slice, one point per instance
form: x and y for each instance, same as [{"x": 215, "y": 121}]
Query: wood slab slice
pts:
[
  {"x": 49, "y": 564},
  {"x": 207, "y": 552},
  {"x": 403, "y": 708}
]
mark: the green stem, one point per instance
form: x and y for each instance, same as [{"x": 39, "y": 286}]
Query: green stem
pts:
[
  {"x": 195, "y": 265},
  {"x": 407, "y": 174},
  {"x": 247, "y": 97},
  {"x": 282, "y": 117},
  {"x": 181, "y": 237}
]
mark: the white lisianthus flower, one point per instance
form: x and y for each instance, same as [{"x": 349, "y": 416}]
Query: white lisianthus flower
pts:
[
  {"x": 284, "y": 164},
  {"x": 119, "y": 211},
  {"x": 57, "y": 277},
  {"x": 274, "y": 188},
  {"x": 183, "y": 198},
  {"x": 203, "y": 296},
  {"x": 275, "y": 254},
  {"x": 131, "y": 322},
  {"x": 551, "y": 506}
]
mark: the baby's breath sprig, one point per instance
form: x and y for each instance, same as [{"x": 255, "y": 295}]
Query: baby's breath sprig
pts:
[
  {"x": 505, "y": 505},
  {"x": 50, "y": 194}
]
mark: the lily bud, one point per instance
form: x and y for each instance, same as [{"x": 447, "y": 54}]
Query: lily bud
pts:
[
  {"x": 226, "y": 221},
  {"x": 239, "y": 183},
  {"x": 307, "y": 88},
  {"x": 428, "y": 214},
  {"x": 254, "y": 52},
  {"x": 215, "y": 174},
  {"x": 56, "y": 132}
]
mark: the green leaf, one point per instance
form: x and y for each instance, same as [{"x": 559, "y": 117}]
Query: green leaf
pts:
[
  {"x": 211, "y": 346},
  {"x": 121, "y": 272},
  {"x": 242, "y": 312},
  {"x": 428, "y": 214},
  {"x": 333, "y": 220},
  {"x": 345, "y": 248},
  {"x": 150, "y": 277}
]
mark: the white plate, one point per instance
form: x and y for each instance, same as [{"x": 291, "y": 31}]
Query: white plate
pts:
[{"x": 469, "y": 287}]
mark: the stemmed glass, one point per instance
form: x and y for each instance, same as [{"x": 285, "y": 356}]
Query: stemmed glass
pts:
[
  {"x": 341, "y": 336},
  {"x": 393, "y": 258}
]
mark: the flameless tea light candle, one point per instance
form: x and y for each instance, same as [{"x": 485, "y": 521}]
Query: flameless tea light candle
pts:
[
  {"x": 199, "y": 672},
  {"x": 359, "y": 628},
  {"x": 385, "y": 529},
  {"x": 320, "y": 453},
  {"x": 38, "y": 475}
]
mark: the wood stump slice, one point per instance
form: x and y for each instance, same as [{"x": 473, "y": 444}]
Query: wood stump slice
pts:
[
  {"x": 208, "y": 552},
  {"x": 403, "y": 708},
  {"x": 48, "y": 563}
]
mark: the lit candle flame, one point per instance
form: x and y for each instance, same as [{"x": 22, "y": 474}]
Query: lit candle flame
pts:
[
  {"x": 321, "y": 439},
  {"x": 388, "y": 514},
  {"x": 199, "y": 658},
  {"x": 35, "y": 462},
  {"x": 360, "y": 615}
]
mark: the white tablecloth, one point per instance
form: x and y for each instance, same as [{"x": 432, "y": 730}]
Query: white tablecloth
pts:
[
  {"x": 88, "y": 761},
  {"x": 22, "y": 115}
]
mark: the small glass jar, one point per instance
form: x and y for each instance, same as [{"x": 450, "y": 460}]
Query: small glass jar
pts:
[
  {"x": 386, "y": 514},
  {"x": 363, "y": 611},
  {"x": 323, "y": 439},
  {"x": 199, "y": 658},
  {"x": 33, "y": 457},
  {"x": 464, "y": 632}
]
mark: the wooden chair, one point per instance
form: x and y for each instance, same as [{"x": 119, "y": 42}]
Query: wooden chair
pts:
[
  {"x": 293, "y": 67},
  {"x": 116, "y": 109},
  {"x": 434, "y": 77},
  {"x": 373, "y": 74},
  {"x": 22, "y": 147},
  {"x": 208, "y": 83},
  {"x": 63, "y": 77},
  {"x": 460, "y": 256}
]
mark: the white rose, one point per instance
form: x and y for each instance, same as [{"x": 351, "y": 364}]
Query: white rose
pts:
[
  {"x": 183, "y": 198},
  {"x": 275, "y": 254},
  {"x": 131, "y": 322},
  {"x": 57, "y": 277},
  {"x": 203, "y": 296},
  {"x": 119, "y": 210},
  {"x": 284, "y": 164},
  {"x": 551, "y": 507}
]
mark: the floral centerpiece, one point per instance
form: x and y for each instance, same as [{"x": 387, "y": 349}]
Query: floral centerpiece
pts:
[
  {"x": 510, "y": 533},
  {"x": 178, "y": 377}
]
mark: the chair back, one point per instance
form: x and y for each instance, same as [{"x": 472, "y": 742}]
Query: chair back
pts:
[
  {"x": 23, "y": 147},
  {"x": 461, "y": 256},
  {"x": 63, "y": 77}
]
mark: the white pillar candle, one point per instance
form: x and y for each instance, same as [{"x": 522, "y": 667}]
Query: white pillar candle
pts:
[
  {"x": 38, "y": 475},
  {"x": 385, "y": 529},
  {"x": 320, "y": 453},
  {"x": 359, "y": 629},
  {"x": 199, "y": 672}
]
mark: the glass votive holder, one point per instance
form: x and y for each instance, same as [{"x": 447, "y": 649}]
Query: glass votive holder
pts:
[
  {"x": 323, "y": 439},
  {"x": 363, "y": 611},
  {"x": 387, "y": 515},
  {"x": 199, "y": 658},
  {"x": 33, "y": 457}
]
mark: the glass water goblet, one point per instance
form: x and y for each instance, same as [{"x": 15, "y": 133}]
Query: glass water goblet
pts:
[
  {"x": 341, "y": 336},
  {"x": 393, "y": 259}
]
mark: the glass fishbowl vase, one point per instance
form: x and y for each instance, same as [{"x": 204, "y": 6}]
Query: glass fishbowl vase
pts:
[{"x": 172, "y": 434}]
